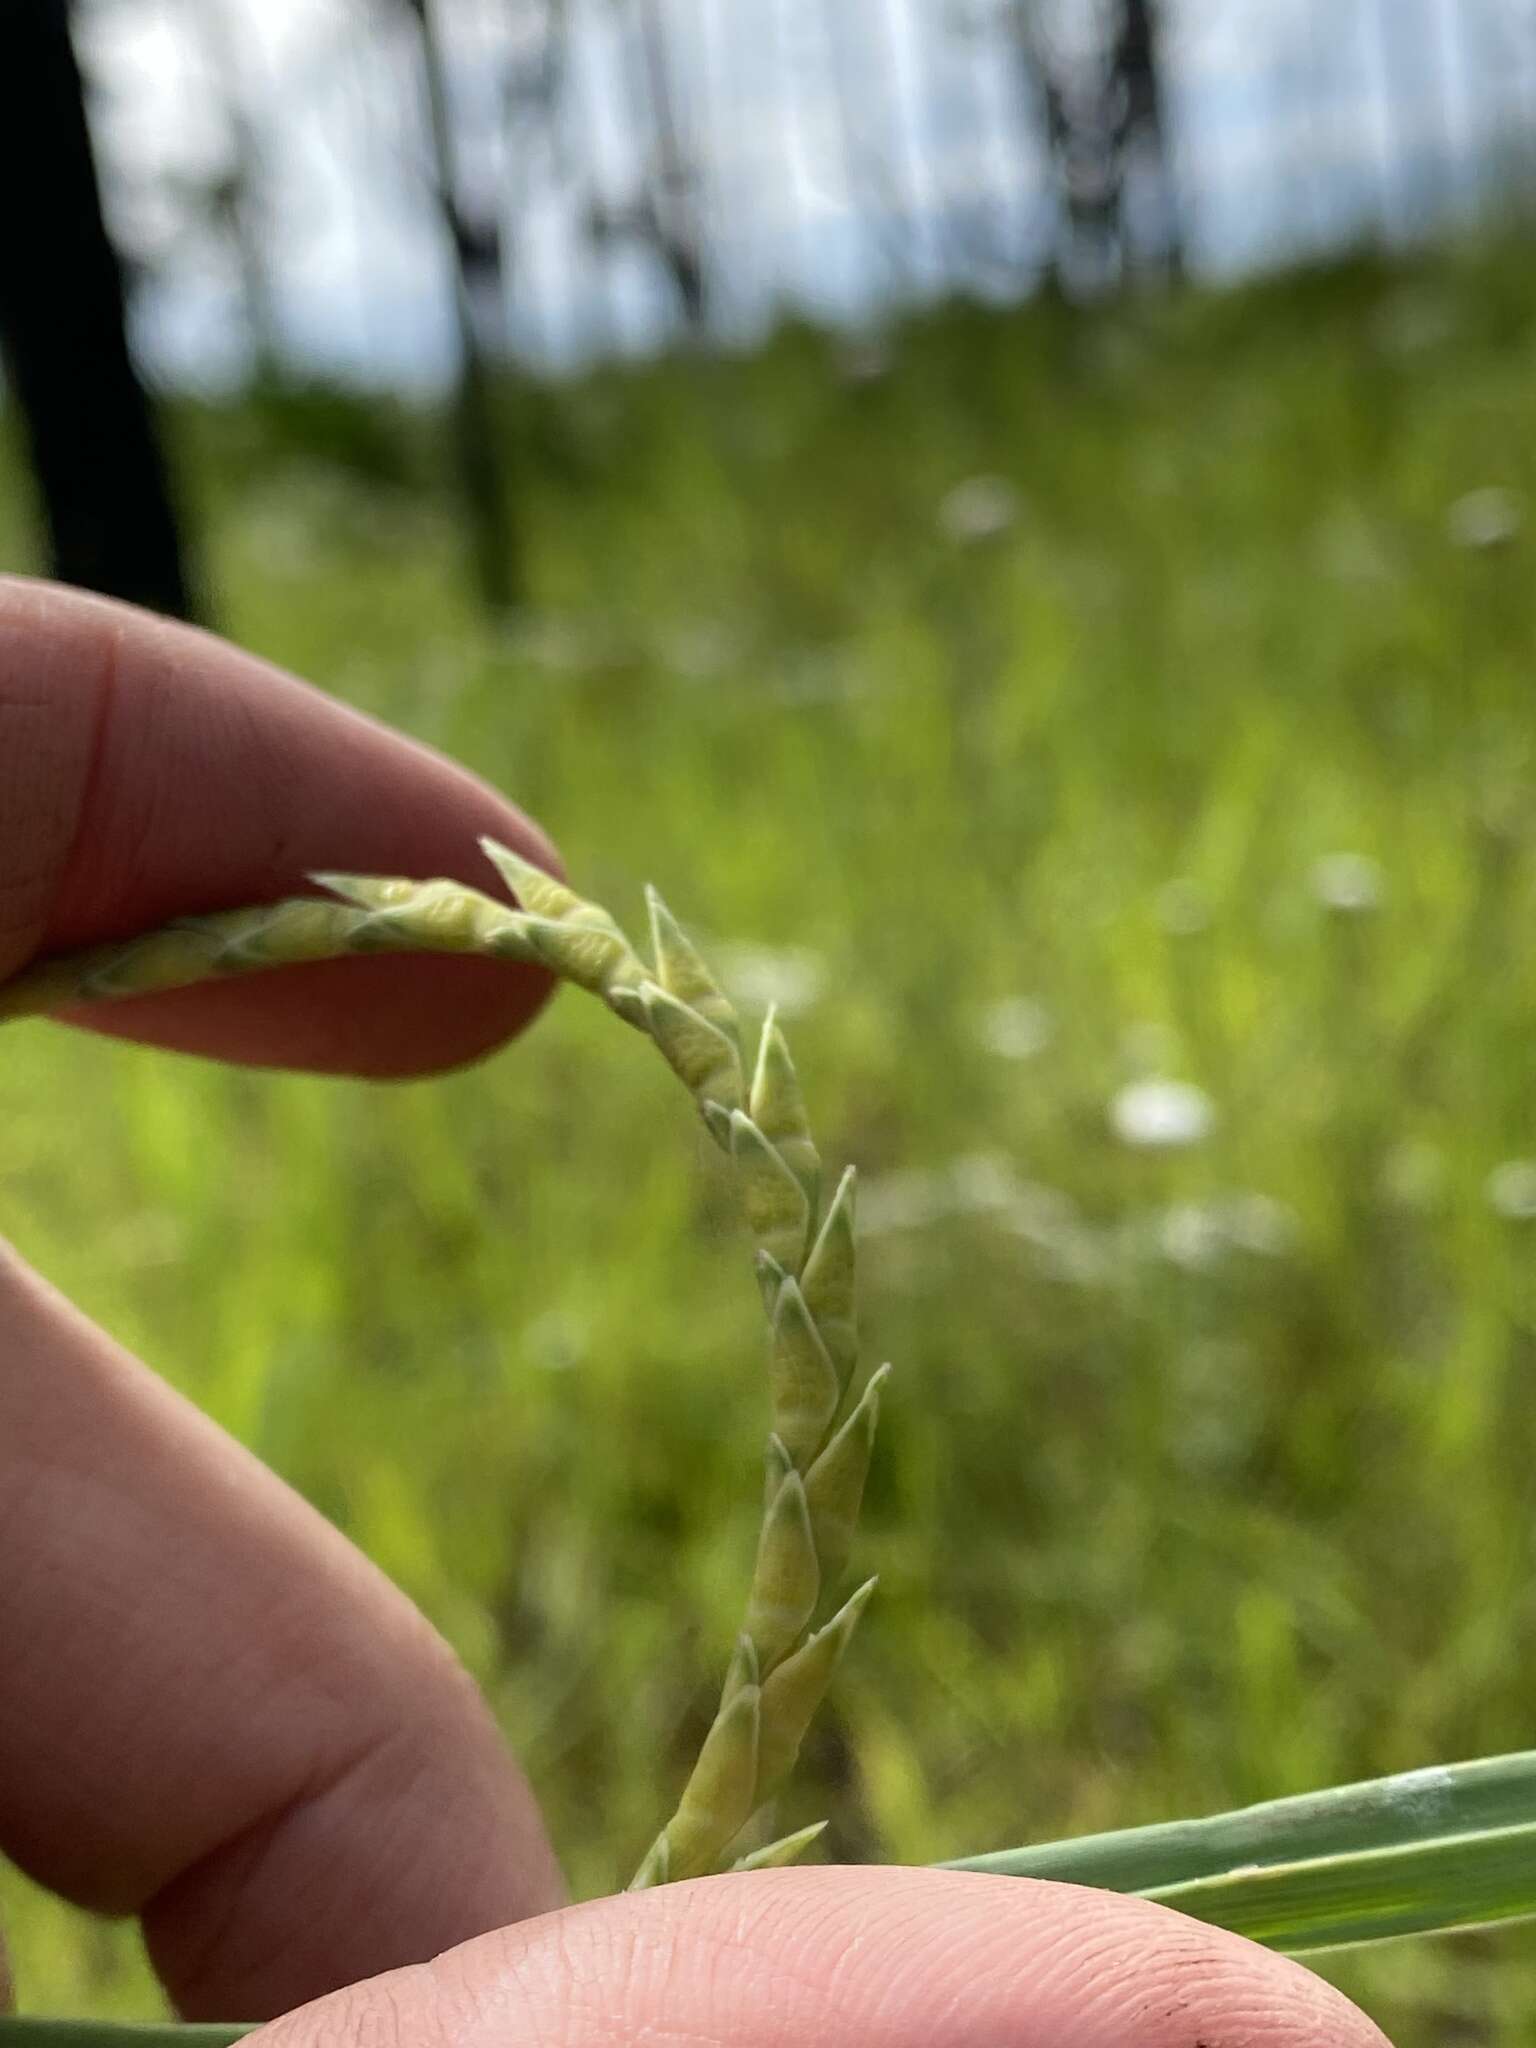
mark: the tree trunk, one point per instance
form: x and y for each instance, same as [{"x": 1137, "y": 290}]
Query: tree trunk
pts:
[
  {"x": 675, "y": 179},
  {"x": 1137, "y": 65},
  {"x": 101, "y": 477},
  {"x": 476, "y": 278}
]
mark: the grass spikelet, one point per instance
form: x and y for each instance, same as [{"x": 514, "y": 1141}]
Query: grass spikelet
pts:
[
  {"x": 241, "y": 940},
  {"x": 721, "y": 1796},
  {"x": 369, "y": 892},
  {"x": 655, "y": 1866},
  {"x": 828, "y": 1282},
  {"x": 801, "y": 1377},
  {"x": 181, "y": 955},
  {"x": 777, "y": 1211},
  {"x": 770, "y": 1278},
  {"x": 742, "y": 1670},
  {"x": 683, "y": 974},
  {"x": 787, "y": 1581},
  {"x": 787, "y": 1849},
  {"x": 834, "y": 1486},
  {"x": 444, "y": 916},
  {"x": 594, "y": 958},
  {"x": 777, "y": 1466},
  {"x": 188, "y": 951},
  {"x": 792, "y": 1693},
  {"x": 703, "y": 1059},
  {"x": 812, "y": 1487},
  {"x": 777, "y": 1107},
  {"x": 533, "y": 887},
  {"x": 572, "y": 938}
]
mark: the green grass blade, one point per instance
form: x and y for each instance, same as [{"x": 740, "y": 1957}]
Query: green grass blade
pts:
[
  {"x": 1375, "y": 1895},
  {"x": 1424, "y": 1851},
  {"x": 17, "y": 2032}
]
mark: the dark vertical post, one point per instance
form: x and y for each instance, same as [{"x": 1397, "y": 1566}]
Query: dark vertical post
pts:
[
  {"x": 674, "y": 194},
  {"x": 100, "y": 473},
  {"x": 1138, "y": 69},
  {"x": 1045, "y": 119}
]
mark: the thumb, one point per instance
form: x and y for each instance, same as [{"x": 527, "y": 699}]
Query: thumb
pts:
[{"x": 871, "y": 1958}]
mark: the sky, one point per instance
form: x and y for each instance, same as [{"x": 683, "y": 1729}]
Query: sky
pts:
[{"x": 858, "y": 154}]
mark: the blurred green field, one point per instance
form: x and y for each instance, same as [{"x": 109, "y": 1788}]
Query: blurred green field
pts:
[{"x": 1209, "y": 1471}]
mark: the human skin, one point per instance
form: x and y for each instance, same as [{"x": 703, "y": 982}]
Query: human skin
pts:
[{"x": 214, "y": 1713}]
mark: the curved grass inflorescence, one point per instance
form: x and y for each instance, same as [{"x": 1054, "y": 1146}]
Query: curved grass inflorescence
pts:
[{"x": 823, "y": 1416}]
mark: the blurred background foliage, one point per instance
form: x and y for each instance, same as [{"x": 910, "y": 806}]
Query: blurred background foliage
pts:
[{"x": 1104, "y": 723}]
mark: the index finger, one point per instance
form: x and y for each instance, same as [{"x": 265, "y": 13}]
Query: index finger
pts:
[{"x": 149, "y": 770}]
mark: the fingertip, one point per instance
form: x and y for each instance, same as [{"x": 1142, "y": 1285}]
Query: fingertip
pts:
[
  {"x": 153, "y": 770},
  {"x": 875, "y": 1958},
  {"x": 379, "y": 1018}
]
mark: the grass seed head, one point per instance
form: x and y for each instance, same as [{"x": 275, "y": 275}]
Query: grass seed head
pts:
[{"x": 812, "y": 1486}]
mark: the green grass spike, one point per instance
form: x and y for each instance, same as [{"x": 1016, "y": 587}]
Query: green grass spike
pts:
[{"x": 804, "y": 1537}]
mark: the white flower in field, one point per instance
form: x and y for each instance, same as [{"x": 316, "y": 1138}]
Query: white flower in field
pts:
[
  {"x": 1016, "y": 1028},
  {"x": 1183, "y": 908},
  {"x": 979, "y": 509},
  {"x": 556, "y": 1341},
  {"x": 1159, "y": 1115},
  {"x": 791, "y": 977},
  {"x": 1511, "y": 1190},
  {"x": 1351, "y": 883},
  {"x": 1488, "y": 518},
  {"x": 1198, "y": 1235}
]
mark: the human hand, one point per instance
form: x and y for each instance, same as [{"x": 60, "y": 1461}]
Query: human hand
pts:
[{"x": 213, "y": 1712}]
